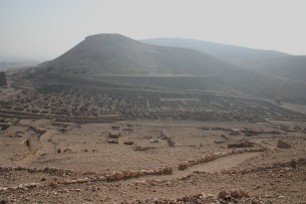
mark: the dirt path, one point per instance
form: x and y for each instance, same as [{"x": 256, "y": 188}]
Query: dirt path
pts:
[
  {"x": 222, "y": 163},
  {"x": 45, "y": 147},
  {"x": 210, "y": 167}
]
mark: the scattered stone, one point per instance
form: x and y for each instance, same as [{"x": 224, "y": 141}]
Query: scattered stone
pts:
[
  {"x": 244, "y": 193},
  {"x": 115, "y": 127},
  {"x": 170, "y": 141},
  {"x": 222, "y": 195},
  {"x": 3, "y": 201},
  {"x": 128, "y": 142},
  {"x": 182, "y": 166},
  {"x": 154, "y": 141},
  {"x": 204, "y": 128},
  {"x": 242, "y": 144},
  {"x": 235, "y": 194},
  {"x": 293, "y": 163},
  {"x": 232, "y": 195},
  {"x": 63, "y": 130},
  {"x": 53, "y": 185},
  {"x": 68, "y": 150},
  {"x": 141, "y": 148},
  {"x": 128, "y": 130},
  {"x": 114, "y": 135},
  {"x": 113, "y": 141},
  {"x": 121, "y": 175},
  {"x": 234, "y": 132},
  {"x": 224, "y": 137},
  {"x": 283, "y": 145},
  {"x": 28, "y": 143}
]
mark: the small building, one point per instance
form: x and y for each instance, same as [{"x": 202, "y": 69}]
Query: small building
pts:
[{"x": 3, "y": 81}]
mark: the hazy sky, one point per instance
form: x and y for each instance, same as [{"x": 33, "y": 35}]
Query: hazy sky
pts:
[{"x": 44, "y": 29}]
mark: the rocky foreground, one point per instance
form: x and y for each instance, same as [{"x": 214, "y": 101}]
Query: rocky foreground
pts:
[{"x": 277, "y": 183}]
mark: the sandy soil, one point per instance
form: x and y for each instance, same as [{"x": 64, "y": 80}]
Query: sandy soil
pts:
[
  {"x": 86, "y": 145},
  {"x": 43, "y": 161}
]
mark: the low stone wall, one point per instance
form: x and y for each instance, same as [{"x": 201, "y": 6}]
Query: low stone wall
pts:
[
  {"x": 93, "y": 176},
  {"x": 212, "y": 157},
  {"x": 122, "y": 175}
]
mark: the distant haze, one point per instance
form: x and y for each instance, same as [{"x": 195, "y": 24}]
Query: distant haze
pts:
[{"x": 44, "y": 29}]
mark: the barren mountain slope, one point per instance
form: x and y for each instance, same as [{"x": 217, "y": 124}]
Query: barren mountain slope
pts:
[
  {"x": 113, "y": 54},
  {"x": 268, "y": 61}
]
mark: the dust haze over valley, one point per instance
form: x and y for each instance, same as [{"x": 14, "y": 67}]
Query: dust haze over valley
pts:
[{"x": 121, "y": 102}]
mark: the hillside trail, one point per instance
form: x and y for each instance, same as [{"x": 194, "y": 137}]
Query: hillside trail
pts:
[{"x": 45, "y": 147}]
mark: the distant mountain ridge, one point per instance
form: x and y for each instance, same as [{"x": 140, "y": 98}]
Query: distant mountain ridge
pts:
[
  {"x": 267, "y": 61},
  {"x": 113, "y": 58}
]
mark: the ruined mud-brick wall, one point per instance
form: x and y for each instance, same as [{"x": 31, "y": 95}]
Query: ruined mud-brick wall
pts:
[{"x": 3, "y": 81}]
